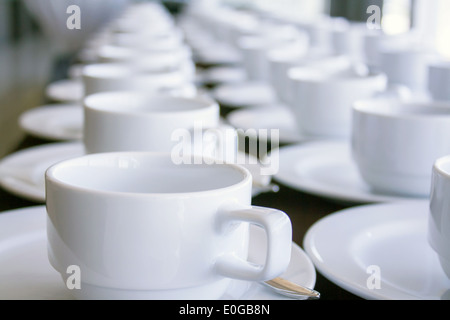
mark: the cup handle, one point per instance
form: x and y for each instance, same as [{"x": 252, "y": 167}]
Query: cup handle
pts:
[{"x": 278, "y": 228}]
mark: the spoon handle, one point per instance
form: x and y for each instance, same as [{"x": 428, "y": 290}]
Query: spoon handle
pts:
[{"x": 291, "y": 289}]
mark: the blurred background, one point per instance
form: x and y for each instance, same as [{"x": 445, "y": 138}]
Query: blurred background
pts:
[{"x": 35, "y": 50}]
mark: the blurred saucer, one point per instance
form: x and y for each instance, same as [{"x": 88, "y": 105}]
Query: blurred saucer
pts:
[
  {"x": 245, "y": 94},
  {"x": 217, "y": 54},
  {"x": 67, "y": 90},
  {"x": 23, "y": 172},
  {"x": 326, "y": 168},
  {"x": 54, "y": 122},
  {"x": 223, "y": 75},
  {"x": 265, "y": 119}
]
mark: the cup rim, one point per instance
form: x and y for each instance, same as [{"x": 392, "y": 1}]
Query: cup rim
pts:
[
  {"x": 50, "y": 176},
  {"x": 366, "y": 107},
  {"x": 438, "y": 166},
  {"x": 208, "y": 103}
]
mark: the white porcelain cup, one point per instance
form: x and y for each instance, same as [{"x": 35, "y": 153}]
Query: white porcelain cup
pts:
[
  {"x": 254, "y": 49},
  {"x": 281, "y": 60},
  {"x": 396, "y": 143},
  {"x": 131, "y": 121},
  {"x": 406, "y": 66},
  {"x": 376, "y": 40},
  {"x": 107, "y": 77},
  {"x": 439, "y": 219},
  {"x": 319, "y": 29},
  {"x": 322, "y": 97},
  {"x": 348, "y": 39},
  {"x": 138, "y": 226},
  {"x": 439, "y": 80}
]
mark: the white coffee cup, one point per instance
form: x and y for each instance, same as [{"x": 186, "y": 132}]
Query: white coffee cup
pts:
[
  {"x": 138, "y": 226},
  {"x": 106, "y": 77},
  {"x": 439, "y": 80},
  {"x": 138, "y": 121},
  {"x": 322, "y": 97},
  {"x": 319, "y": 29},
  {"x": 376, "y": 40},
  {"x": 439, "y": 219},
  {"x": 348, "y": 39},
  {"x": 396, "y": 143},
  {"x": 406, "y": 66},
  {"x": 281, "y": 60},
  {"x": 254, "y": 49}
]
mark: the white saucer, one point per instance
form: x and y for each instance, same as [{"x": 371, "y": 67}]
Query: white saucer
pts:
[
  {"x": 245, "y": 94},
  {"x": 326, "y": 168},
  {"x": 223, "y": 75},
  {"x": 274, "y": 117},
  {"x": 349, "y": 246},
  {"x": 217, "y": 54},
  {"x": 54, "y": 122},
  {"x": 26, "y": 273},
  {"x": 22, "y": 173},
  {"x": 67, "y": 90}
]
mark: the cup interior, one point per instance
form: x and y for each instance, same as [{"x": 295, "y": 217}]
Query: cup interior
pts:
[
  {"x": 143, "y": 173},
  {"x": 146, "y": 104}
]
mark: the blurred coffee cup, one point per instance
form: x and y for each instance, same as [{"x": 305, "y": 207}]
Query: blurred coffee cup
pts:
[
  {"x": 439, "y": 218},
  {"x": 322, "y": 97},
  {"x": 439, "y": 80},
  {"x": 396, "y": 143}
]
